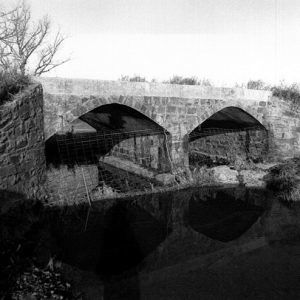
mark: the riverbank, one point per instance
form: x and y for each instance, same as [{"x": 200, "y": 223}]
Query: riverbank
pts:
[{"x": 82, "y": 184}]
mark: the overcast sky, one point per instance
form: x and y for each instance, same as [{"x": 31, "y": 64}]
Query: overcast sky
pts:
[{"x": 226, "y": 41}]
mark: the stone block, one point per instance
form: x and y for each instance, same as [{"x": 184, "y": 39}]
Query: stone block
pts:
[
  {"x": 21, "y": 142},
  {"x": 171, "y": 109},
  {"x": 3, "y": 147},
  {"x": 191, "y": 110},
  {"x": 225, "y": 175},
  {"x": 24, "y": 112},
  {"x": 8, "y": 170},
  {"x": 15, "y": 159}
]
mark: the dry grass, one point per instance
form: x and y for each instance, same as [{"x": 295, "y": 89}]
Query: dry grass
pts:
[
  {"x": 199, "y": 176},
  {"x": 103, "y": 192},
  {"x": 11, "y": 83}
]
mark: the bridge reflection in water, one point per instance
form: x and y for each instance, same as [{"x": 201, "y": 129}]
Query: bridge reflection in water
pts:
[
  {"x": 222, "y": 217},
  {"x": 141, "y": 235},
  {"x": 122, "y": 233}
]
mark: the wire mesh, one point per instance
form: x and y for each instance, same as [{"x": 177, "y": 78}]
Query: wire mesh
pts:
[{"x": 96, "y": 165}]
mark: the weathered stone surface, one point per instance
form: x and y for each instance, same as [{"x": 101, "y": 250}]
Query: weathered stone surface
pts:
[
  {"x": 22, "y": 161},
  {"x": 224, "y": 175},
  {"x": 252, "y": 145}
]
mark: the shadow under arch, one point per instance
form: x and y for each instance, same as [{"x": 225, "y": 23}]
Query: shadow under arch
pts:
[
  {"x": 228, "y": 119},
  {"x": 229, "y": 132},
  {"x": 107, "y": 126}
]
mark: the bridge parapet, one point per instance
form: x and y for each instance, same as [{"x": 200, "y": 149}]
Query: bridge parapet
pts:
[{"x": 105, "y": 88}]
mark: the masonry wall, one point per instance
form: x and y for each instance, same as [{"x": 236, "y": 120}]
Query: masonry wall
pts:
[
  {"x": 252, "y": 144},
  {"x": 147, "y": 151},
  {"x": 69, "y": 185},
  {"x": 177, "y": 108},
  {"x": 22, "y": 159},
  {"x": 283, "y": 123}
]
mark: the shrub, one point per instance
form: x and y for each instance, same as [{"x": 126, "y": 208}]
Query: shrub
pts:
[
  {"x": 284, "y": 180},
  {"x": 135, "y": 78},
  {"x": 11, "y": 83},
  {"x": 188, "y": 81},
  {"x": 289, "y": 93},
  {"x": 282, "y": 177},
  {"x": 257, "y": 85}
]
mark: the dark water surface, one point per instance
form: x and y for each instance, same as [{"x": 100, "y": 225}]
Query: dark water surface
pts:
[{"x": 221, "y": 243}]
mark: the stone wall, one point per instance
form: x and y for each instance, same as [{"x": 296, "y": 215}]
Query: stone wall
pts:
[
  {"x": 69, "y": 185},
  {"x": 147, "y": 151},
  {"x": 283, "y": 122},
  {"x": 252, "y": 144},
  {"x": 22, "y": 159}
]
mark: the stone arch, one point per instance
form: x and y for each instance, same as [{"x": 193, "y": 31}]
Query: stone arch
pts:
[
  {"x": 119, "y": 130},
  {"x": 121, "y": 118},
  {"x": 205, "y": 112},
  {"x": 243, "y": 117},
  {"x": 137, "y": 103},
  {"x": 62, "y": 110},
  {"x": 229, "y": 130}
]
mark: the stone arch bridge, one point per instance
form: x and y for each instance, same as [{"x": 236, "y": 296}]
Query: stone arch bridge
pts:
[{"x": 182, "y": 112}]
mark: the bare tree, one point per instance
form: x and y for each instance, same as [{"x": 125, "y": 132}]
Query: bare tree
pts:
[{"x": 24, "y": 43}]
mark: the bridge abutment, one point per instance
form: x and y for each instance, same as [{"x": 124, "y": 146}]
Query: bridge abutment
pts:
[
  {"x": 180, "y": 154},
  {"x": 282, "y": 120}
]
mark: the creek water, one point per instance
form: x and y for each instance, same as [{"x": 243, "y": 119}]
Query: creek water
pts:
[{"x": 204, "y": 243}]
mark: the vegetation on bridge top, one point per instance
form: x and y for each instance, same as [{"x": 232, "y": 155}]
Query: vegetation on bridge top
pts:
[
  {"x": 24, "y": 49},
  {"x": 176, "y": 79},
  {"x": 289, "y": 93},
  {"x": 11, "y": 83}
]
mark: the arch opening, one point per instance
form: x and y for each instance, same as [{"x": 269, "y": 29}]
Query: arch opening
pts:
[
  {"x": 113, "y": 146},
  {"x": 228, "y": 134}
]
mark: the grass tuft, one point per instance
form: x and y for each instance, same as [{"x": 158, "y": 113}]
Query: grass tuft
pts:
[{"x": 11, "y": 83}]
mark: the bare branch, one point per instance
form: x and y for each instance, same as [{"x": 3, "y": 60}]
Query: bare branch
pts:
[
  {"x": 22, "y": 42},
  {"x": 46, "y": 57}
]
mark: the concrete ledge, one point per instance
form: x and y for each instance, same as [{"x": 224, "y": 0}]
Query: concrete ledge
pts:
[{"x": 129, "y": 166}]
